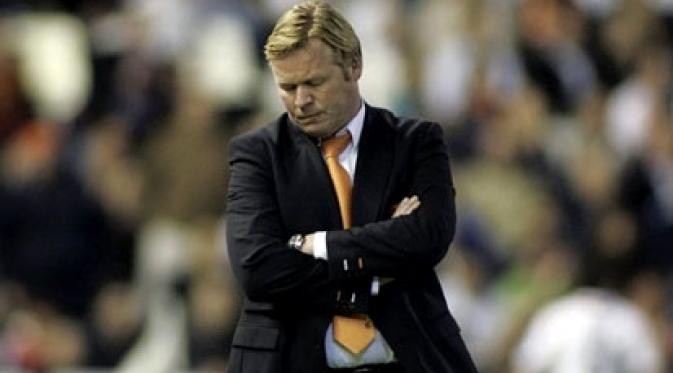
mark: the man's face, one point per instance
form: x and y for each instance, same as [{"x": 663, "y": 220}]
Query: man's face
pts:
[{"x": 319, "y": 95}]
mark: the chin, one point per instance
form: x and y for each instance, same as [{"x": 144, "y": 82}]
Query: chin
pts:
[{"x": 314, "y": 130}]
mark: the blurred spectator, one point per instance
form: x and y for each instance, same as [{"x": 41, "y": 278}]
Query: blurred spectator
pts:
[
  {"x": 114, "y": 325},
  {"x": 385, "y": 77},
  {"x": 646, "y": 191},
  {"x": 212, "y": 322},
  {"x": 39, "y": 340},
  {"x": 52, "y": 230},
  {"x": 478, "y": 310},
  {"x": 589, "y": 331},
  {"x": 596, "y": 328},
  {"x": 59, "y": 92},
  {"x": 549, "y": 46},
  {"x": 448, "y": 47},
  {"x": 632, "y": 107},
  {"x": 185, "y": 162}
]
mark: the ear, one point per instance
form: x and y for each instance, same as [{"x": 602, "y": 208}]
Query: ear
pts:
[{"x": 356, "y": 68}]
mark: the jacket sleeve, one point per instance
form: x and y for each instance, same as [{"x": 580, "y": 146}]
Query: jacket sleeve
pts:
[
  {"x": 266, "y": 268},
  {"x": 398, "y": 247}
]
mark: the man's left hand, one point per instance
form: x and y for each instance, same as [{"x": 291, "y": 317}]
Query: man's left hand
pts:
[{"x": 307, "y": 247}]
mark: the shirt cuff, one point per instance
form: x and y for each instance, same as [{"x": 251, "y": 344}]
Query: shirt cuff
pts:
[
  {"x": 375, "y": 285},
  {"x": 320, "y": 252},
  {"x": 320, "y": 245}
]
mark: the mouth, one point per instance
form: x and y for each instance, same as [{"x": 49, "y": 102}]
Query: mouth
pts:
[{"x": 305, "y": 119}]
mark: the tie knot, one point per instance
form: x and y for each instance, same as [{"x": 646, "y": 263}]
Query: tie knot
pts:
[{"x": 334, "y": 146}]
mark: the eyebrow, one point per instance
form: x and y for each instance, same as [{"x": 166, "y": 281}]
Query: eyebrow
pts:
[{"x": 309, "y": 78}]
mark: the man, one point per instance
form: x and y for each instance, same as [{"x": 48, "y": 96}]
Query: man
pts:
[{"x": 337, "y": 214}]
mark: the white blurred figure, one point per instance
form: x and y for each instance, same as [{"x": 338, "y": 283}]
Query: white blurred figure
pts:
[
  {"x": 450, "y": 58},
  {"x": 166, "y": 24},
  {"x": 448, "y": 76},
  {"x": 479, "y": 312},
  {"x": 589, "y": 331},
  {"x": 632, "y": 106},
  {"x": 597, "y": 8},
  {"x": 221, "y": 60},
  {"x": 628, "y": 113},
  {"x": 54, "y": 63}
]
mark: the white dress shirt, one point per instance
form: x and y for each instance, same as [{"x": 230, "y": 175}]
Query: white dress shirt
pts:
[{"x": 378, "y": 352}]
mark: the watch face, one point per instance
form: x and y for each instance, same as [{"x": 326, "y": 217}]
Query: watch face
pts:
[{"x": 296, "y": 241}]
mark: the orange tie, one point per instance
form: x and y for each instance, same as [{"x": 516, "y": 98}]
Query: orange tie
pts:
[{"x": 357, "y": 332}]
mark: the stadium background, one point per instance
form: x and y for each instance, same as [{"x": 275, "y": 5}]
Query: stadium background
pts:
[{"x": 114, "y": 123}]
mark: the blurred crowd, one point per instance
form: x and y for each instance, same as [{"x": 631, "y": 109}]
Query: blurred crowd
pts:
[{"x": 115, "y": 118}]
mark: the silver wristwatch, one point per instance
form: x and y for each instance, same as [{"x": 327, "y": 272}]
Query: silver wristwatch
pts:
[{"x": 296, "y": 241}]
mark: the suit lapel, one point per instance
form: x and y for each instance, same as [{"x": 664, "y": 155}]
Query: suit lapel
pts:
[
  {"x": 309, "y": 186},
  {"x": 375, "y": 159}
]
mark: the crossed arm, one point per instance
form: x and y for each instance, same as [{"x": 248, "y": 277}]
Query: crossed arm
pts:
[
  {"x": 416, "y": 238},
  {"x": 405, "y": 207}
]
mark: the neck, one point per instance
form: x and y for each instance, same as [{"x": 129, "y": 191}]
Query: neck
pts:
[{"x": 356, "y": 105}]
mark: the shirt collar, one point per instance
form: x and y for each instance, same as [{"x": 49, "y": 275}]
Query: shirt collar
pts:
[{"x": 355, "y": 126}]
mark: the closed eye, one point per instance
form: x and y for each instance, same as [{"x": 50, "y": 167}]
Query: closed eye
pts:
[
  {"x": 315, "y": 82},
  {"x": 288, "y": 87}
]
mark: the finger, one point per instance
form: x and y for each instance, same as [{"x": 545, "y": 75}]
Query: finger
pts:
[
  {"x": 406, "y": 208},
  {"x": 415, "y": 202},
  {"x": 409, "y": 209},
  {"x": 398, "y": 210},
  {"x": 412, "y": 205},
  {"x": 400, "y": 207}
]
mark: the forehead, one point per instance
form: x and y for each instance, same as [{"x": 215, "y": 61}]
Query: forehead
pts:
[{"x": 314, "y": 59}]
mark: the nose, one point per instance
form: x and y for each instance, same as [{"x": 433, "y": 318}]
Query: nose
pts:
[{"x": 304, "y": 97}]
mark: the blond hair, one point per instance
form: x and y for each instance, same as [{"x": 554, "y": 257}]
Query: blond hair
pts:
[{"x": 313, "y": 19}]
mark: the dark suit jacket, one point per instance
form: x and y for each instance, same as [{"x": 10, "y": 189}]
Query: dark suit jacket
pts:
[{"x": 280, "y": 186}]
